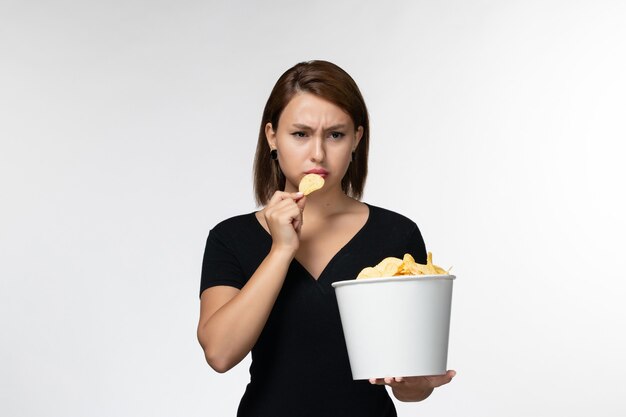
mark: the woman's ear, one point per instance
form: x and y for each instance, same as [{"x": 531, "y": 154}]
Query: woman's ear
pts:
[
  {"x": 270, "y": 135},
  {"x": 358, "y": 136}
]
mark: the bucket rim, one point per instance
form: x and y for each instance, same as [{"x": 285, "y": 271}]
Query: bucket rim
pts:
[{"x": 408, "y": 278}]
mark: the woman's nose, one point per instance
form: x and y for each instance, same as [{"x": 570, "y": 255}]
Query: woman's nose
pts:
[{"x": 318, "y": 152}]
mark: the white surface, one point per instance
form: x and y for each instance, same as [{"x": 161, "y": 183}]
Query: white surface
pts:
[
  {"x": 396, "y": 326},
  {"x": 127, "y": 130}
]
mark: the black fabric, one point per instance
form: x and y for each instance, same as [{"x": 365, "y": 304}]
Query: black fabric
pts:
[{"x": 300, "y": 364}]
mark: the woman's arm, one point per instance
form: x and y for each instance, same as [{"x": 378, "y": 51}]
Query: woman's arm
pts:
[{"x": 231, "y": 320}]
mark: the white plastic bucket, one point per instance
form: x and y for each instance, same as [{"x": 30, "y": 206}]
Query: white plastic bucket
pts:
[{"x": 396, "y": 326}]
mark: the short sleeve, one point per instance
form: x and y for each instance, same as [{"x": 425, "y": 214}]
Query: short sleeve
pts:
[
  {"x": 416, "y": 246},
  {"x": 220, "y": 265}
]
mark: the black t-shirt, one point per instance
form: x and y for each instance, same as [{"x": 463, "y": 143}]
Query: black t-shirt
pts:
[{"x": 300, "y": 363}]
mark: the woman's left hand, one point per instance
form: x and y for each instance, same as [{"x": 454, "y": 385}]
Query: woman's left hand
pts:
[{"x": 414, "y": 388}]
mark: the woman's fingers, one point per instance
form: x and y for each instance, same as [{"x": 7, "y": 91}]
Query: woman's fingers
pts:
[
  {"x": 297, "y": 223},
  {"x": 386, "y": 381},
  {"x": 283, "y": 215},
  {"x": 284, "y": 211},
  {"x": 439, "y": 380},
  {"x": 433, "y": 381},
  {"x": 281, "y": 195},
  {"x": 281, "y": 200}
]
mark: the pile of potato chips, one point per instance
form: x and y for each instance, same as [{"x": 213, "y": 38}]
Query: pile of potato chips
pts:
[{"x": 392, "y": 267}]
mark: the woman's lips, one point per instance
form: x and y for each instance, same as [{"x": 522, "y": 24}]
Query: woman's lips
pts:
[{"x": 319, "y": 171}]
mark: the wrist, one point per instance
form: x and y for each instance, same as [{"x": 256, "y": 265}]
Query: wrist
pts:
[{"x": 284, "y": 253}]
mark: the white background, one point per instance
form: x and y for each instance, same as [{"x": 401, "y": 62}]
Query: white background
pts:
[{"x": 128, "y": 130}]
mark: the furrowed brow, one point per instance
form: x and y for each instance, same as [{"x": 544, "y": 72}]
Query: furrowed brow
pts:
[
  {"x": 337, "y": 127},
  {"x": 305, "y": 127}
]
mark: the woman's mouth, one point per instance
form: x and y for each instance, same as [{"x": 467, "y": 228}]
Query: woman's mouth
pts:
[{"x": 319, "y": 171}]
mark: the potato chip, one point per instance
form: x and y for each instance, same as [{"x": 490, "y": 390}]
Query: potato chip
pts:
[
  {"x": 389, "y": 266},
  {"x": 310, "y": 183},
  {"x": 440, "y": 270},
  {"x": 429, "y": 264},
  {"x": 419, "y": 269},
  {"x": 370, "y": 272},
  {"x": 407, "y": 264}
]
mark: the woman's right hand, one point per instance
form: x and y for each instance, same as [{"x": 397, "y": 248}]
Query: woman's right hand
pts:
[{"x": 283, "y": 215}]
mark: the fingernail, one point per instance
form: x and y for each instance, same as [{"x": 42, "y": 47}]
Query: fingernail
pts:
[{"x": 299, "y": 194}]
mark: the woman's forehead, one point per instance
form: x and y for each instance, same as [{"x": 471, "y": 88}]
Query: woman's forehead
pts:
[{"x": 311, "y": 110}]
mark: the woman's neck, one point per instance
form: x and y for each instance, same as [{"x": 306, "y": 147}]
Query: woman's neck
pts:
[{"x": 322, "y": 206}]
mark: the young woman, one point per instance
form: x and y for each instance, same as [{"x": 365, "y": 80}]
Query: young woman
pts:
[{"x": 266, "y": 276}]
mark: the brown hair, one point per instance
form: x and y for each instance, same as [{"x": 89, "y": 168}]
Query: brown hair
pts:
[{"x": 325, "y": 80}]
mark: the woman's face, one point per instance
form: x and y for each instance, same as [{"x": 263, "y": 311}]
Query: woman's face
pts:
[{"x": 313, "y": 135}]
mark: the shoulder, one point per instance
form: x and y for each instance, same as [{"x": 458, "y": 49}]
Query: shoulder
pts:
[
  {"x": 389, "y": 218},
  {"x": 399, "y": 233},
  {"x": 394, "y": 235},
  {"x": 235, "y": 226}
]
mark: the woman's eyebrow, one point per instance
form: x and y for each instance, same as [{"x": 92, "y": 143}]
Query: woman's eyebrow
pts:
[{"x": 305, "y": 127}]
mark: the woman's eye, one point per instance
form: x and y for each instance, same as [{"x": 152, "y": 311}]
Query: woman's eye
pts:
[
  {"x": 299, "y": 134},
  {"x": 337, "y": 135}
]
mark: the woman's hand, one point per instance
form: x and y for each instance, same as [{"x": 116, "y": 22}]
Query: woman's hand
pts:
[
  {"x": 283, "y": 215},
  {"x": 414, "y": 388}
]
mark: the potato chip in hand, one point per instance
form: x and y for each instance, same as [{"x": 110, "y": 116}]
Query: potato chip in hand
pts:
[{"x": 310, "y": 183}]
